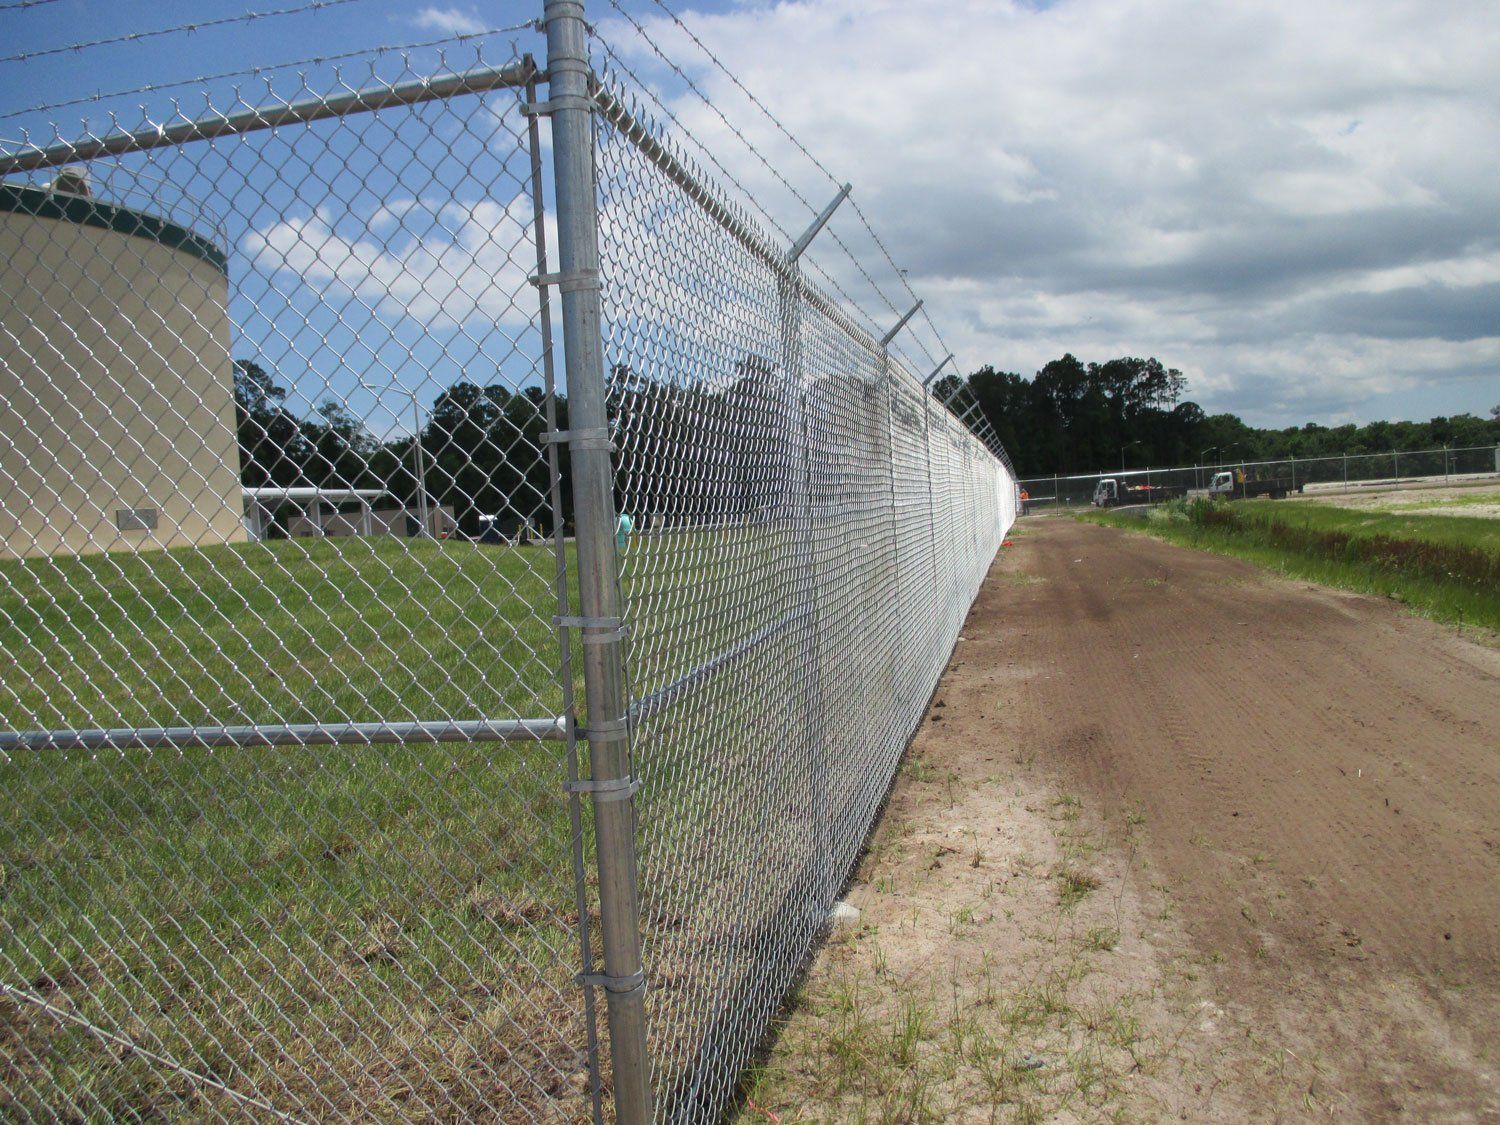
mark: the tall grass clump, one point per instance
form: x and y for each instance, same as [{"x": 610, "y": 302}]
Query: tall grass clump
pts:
[{"x": 1446, "y": 568}]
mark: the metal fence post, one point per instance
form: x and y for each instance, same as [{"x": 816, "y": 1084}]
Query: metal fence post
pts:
[
  {"x": 789, "y": 292},
  {"x": 565, "y": 649},
  {"x": 571, "y": 110}
]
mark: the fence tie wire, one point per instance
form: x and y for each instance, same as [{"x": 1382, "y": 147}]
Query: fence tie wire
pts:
[
  {"x": 592, "y": 437},
  {"x": 633, "y": 982}
]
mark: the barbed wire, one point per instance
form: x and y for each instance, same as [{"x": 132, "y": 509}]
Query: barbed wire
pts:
[
  {"x": 832, "y": 179},
  {"x": 741, "y": 86},
  {"x": 821, "y": 167},
  {"x": 255, "y": 71},
  {"x": 12, "y": 5},
  {"x": 615, "y": 58},
  {"x": 713, "y": 159},
  {"x": 801, "y": 198},
  {"x": 641, "y": 31},
  {"x": 198, "y": 25},
  {"x": 818, "y": 164}
]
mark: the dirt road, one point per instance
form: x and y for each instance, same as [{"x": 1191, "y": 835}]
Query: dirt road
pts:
[
  {"x": 1296, "y": 800},
  {"x": 1321, "y": 779}
]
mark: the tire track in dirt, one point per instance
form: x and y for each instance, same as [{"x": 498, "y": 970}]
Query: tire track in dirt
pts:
[{"x": 1320, "y": 777}]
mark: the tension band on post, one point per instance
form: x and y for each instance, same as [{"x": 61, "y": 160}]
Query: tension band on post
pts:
[
  {"x": 557, "y": 102},
  {"x": 596, "y": 438},
  {"x": 618, "y": 985},
  {"x": 568, "y": 282},
  {"x": 617, "y": 629},
  {"x": 611, "y": 730},
  {"x": 615, "y": 789}
]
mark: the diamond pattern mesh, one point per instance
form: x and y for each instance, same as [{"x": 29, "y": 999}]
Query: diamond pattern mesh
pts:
[
  {"x": 273, "y": 469},
  {"x": 810, "y": 529}
]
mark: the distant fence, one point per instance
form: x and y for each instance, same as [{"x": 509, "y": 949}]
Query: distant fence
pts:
[
  {"x": 1353, "y": 471},
  {"x": 365, "y": 826}
]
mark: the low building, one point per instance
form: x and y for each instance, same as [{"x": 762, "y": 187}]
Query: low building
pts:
[{"x": 324, "y": 513}]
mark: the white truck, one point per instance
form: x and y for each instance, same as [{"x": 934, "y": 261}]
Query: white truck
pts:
[
  {"x": 1236, "y": 484},
  {"x": 1111, "y": 493}
]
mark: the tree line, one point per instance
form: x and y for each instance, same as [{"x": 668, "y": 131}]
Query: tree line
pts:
[
  {"x": 684, "y": 453},
  {"x": 481, "y": 451},
  {"x": 698, "y": 453},
  {"x": 1076, "y": 417}
]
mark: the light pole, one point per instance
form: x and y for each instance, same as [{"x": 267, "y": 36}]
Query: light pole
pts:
[
  {"x": 419, "y": 453},
  {"x": 1203, "y": 456},
  {"x": 1123, "y": 448}
]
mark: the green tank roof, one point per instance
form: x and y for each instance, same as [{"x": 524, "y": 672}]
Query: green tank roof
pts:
[{"x": 26, "y": 199}]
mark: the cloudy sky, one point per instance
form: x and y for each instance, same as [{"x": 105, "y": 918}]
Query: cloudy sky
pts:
[{"x": 1296, "y": 202}]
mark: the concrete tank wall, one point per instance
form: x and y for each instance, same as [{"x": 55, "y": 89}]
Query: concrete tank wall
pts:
[{"x": 116, "y": 387}]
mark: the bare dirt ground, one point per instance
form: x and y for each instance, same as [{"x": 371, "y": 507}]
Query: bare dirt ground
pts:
[
  {"x": 1178, "y": 838},
  {"x": 1477, "y": 498}
]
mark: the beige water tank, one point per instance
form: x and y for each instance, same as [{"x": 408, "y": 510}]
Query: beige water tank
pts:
[{"x": 117, "y": 427}]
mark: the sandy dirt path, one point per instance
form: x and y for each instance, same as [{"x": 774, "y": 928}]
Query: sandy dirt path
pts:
[{"x": 1283, "y": 805}]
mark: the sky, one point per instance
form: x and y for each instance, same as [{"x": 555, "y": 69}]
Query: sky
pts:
[{"x": 1295, "y": 202}]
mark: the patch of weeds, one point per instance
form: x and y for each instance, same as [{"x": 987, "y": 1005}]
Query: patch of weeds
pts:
[
  {"x": 962, "y": 917},
  {"x": 1101, "y": 939},
  {"x": 1068, "y": 807},
  {"x": 911, "y": 1028},
  {"x": 918, "y": 771},
  {"x": 1074, "y": 886}
]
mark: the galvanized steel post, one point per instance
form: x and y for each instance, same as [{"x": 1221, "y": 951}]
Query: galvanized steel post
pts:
[
  {"x": 571, "y": 110},
  {"x": 789, "y": 300}
]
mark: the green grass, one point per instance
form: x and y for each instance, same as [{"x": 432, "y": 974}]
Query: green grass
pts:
[
  {"x": 374, "y": 931},
  {"x": 292, "y": 631},
  {"x": 387, "y": 927},
  {"x": 1445, "y": 568}
]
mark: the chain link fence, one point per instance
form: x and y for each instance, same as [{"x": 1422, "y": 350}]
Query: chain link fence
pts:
[
  {"x": 811, "y": 529},
  {"x": 375, "y": 693},
  {"x": 285, "y": 740},
  {"x": 1310, "y": 476}
]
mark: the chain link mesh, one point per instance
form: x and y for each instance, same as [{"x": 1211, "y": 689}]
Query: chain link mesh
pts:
[
  {"x": 286, "y": 707},
  {"x": 809, "y": 529},
  {"x": 1310, "y": 476},
  {"x": 282, "y": 700}
]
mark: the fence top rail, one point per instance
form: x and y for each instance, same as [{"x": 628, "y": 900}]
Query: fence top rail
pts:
[
  {"x": 783, "y": 262},
  {"x": 513, "y": 75},
  {"x": 1117, "y": 473}
]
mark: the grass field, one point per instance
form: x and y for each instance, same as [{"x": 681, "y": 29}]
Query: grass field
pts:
[
  {"x": 366, "y": 931},
  {"x": 1446, "y": 568},
  {"x": 389, "y": 927},
  {"x": 292, "y": 631}
]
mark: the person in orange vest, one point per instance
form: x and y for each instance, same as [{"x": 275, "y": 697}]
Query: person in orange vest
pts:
[{"x": 1025, "y": 496}]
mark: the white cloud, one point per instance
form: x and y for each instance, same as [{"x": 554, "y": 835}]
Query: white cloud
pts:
[
  {"x": 473, "y": 263},
  {"x": 1212, "y": 183},
  {"x": 448, "y": 21}
]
